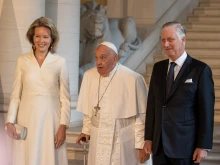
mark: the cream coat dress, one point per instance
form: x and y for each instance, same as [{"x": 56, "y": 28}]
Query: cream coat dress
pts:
[{"x": 40, "y": 101}]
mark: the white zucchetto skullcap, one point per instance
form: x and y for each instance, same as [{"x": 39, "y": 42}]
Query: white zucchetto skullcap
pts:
[{"x": 110, "y": 45}]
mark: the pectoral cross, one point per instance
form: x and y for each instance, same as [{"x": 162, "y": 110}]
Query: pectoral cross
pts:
[{"x": 97, "y": 108}]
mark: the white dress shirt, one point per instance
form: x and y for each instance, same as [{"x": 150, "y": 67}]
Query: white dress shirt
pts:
[{"x": 179, "y": 63}]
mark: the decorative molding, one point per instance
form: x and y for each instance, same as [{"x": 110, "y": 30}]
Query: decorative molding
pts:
[{"x": 101, "y": 2}]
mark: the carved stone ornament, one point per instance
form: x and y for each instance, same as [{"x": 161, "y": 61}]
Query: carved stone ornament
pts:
[{"x": 95, "y": 27}]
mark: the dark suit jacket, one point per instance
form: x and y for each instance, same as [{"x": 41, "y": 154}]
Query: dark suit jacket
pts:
[{"x": 184, "y": 121}]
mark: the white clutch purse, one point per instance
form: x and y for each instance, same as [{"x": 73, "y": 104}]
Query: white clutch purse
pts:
[{"x": 21, "y": 131}]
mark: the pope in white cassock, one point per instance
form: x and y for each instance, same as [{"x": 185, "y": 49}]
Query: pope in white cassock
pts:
[{"x": 113, "y": 100}]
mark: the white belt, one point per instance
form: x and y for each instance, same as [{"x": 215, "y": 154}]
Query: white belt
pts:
[
  {"x": 120, "y": 123},
  {"x": 39, "y": 94}
]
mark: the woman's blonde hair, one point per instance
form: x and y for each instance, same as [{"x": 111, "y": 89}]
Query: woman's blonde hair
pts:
[{"x": 48, "y": 23}]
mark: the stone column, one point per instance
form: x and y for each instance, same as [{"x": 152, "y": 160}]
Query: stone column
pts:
[
  {"x": 15, "y": 18},
  {"x": 66, "y": 15}
]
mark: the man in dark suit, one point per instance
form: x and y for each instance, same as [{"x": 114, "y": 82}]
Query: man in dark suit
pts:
[{"x": 180, "y": 108}]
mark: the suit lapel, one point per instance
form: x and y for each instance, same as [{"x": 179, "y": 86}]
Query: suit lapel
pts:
[
  {"x": 31, "y": 59},
  {"x": 47, "y": 60},
  {"x": 161, "y": 80},
  {"x": 181, "y": 75},
  {"x": 164, "y": 79}
]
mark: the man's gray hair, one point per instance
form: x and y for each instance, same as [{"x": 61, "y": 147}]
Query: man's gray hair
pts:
[{"x": 180, "y": 30}]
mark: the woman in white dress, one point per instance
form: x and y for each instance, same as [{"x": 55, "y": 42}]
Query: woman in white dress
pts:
[{"x": 40, "y": 100}]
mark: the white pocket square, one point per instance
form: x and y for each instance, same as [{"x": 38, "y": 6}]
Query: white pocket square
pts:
[{"x": 189, "y": 81}]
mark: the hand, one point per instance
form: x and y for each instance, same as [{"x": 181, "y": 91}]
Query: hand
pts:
[
  {"x": 60, "y": 136},
  {"x": 148, "y": 146},
  {"x": 11, "y": 131},
  {"x": 143, "y": 156},
  {"x": 78, "y": 141},
  {"x": 199, "y": 154}
]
